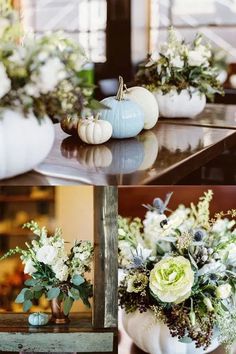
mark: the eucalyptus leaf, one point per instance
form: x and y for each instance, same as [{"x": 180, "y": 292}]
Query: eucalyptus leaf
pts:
[
  {"x": 53, "y": 293},
  {"x": 74, "y": 293},
  {"x": 185, "y": 340},
  {"x": 27, "y": 305},
  {"x": 21, "y": 296},
  {"x": 97, "y": 106},
  {"x": 31, "y": 282},
  {"x": 77, "y": 280},
  {"x": 67, "y": 305}
]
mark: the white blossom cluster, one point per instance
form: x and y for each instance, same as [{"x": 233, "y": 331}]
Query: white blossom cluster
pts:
[{"x": 51, "y": 252}]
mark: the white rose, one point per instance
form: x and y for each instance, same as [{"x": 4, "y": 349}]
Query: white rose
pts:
[
  {"x": 177, "y": 62},
  {"x": 29, "y": 267},
  {"x": 195, "y": 58},
  {"x": 46, "y": 254},
  {"x": 61, "y": 270},
  {"x": 5, "y": 82},
  {"x": 50, "y": 74},
  {"x": 204, "y": 51},
  {"x": 223, "y": 291}
]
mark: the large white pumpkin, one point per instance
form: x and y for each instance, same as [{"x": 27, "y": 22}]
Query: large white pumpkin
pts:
[
  {"x": 146, "y": 100},
  {"x": 24, "y": 142},
  {"x": 153, "y": 337},
  {"x": 174, "y": 105},
  {"x": 94, "y": 131}
]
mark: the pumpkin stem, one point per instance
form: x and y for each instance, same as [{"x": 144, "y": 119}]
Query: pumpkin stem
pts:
[
  {"x": 120, "y": 92},
  {"x": 96, "y": 118}
]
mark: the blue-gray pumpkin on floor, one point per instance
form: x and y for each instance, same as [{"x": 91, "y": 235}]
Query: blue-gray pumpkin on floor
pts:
[{"x": 125, "y": 116}]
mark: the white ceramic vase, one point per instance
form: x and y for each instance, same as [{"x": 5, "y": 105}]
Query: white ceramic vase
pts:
[
  {"x": 24, "y": 142},
  {"x": 154, "y": 337},
  {"x": 180, "y": 105}
]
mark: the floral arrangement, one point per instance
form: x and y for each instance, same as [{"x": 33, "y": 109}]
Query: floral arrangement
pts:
[
  {"x": 42, "y": 75},
  {"x": 183, "y": 268},
  {"x": 53, "y": 272},
  {"x": 180, "y": 65}
]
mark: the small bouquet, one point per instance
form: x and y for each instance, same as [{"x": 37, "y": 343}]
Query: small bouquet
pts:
[
  {"x": 53, "y": 272},
  {"x": 182, "y": 267},
  {"x": 42, "y": 75},
  {"x": 179, "y": 66}
]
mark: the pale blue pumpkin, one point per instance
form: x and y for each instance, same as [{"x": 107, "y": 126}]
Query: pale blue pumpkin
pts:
[
  {"x": 38, "y": 319},
  {"x": 125, "y": 116}
]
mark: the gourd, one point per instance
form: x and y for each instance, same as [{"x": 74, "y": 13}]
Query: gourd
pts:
[
  {"x": 125, "y": 116},
  {"x": 153, "y": 336},
  {"x": 38, "y": 319},
  {"x": 24, "y": 142},
  {"x": 70, "y": 125},
  {"x": 146, "y": 100},
  {"x": 94, "y": 130},
  {"x": 180, "y": 105}
]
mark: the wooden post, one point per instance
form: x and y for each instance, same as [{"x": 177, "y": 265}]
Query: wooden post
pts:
[{"x": 105, "y": 314}]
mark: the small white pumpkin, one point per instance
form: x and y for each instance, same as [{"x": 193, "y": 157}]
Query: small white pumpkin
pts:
[
  {"x": 146, "y": 100},
  {"x": 94, "y": 131},
  {"x": 38, "y": 319}
]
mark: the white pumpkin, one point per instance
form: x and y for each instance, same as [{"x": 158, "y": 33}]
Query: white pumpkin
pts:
[
  {"x": 94, "y": 131},
  {"x": 146, "y": 100},
  {"x": 180, "y": 105},
  {"x": 24, "y": 142},
  {"x": 153, "y": 337}
]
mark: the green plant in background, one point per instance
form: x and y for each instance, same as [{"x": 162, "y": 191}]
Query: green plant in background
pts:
[
  {"x": 42, "y": 75},
  {"x": 54, "y": 273},
  {"x": 180, "y": 65},
  {"x": 183, "y": 268}
]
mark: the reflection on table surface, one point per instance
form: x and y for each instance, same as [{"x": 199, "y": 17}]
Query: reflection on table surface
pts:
[
  {"x": 162, "y": 151},
  {"x": 214, "y": 115}
]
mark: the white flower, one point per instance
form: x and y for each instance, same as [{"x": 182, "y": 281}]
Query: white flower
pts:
[
  {"x": 29, "y": 267},
  {"x": 230, "y": 254},
  {"x": 5, "y": 82},
  {"x": 205, "y": 52},
  {"x": 32, "y": 90},
  {"x": 50, "y": 74},
  {"x": 177, "y": 62},
  {"x": 46, "y": 254},
  {"x": 143, "y": 252},
  {"x": 61, "y": 270},
  {"x": 220, "y": 226},
  {"x": 223, "y": 291},
  {"x": 195, "y": 58}
]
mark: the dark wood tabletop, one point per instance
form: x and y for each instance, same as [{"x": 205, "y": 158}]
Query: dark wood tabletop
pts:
[{"x": 164, "y": 155}]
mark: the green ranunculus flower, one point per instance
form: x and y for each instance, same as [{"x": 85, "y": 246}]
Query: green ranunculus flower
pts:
[{"x": 171, "y": 279}]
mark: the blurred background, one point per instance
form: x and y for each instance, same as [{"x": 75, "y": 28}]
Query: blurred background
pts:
[
  {"x": 118, "y": 34},
  {"x": 223, "y": 199},
  {"x": 70, "y": 208}
]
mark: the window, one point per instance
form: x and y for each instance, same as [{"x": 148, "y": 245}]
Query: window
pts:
[
  {"x": 216, "y": 19},
  {"x": 84, "y": 20}
]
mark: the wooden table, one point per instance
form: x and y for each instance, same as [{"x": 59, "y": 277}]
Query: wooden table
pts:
[
  {"x": 78, "y": 336},
  {"x": 163, "y": 155}
]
